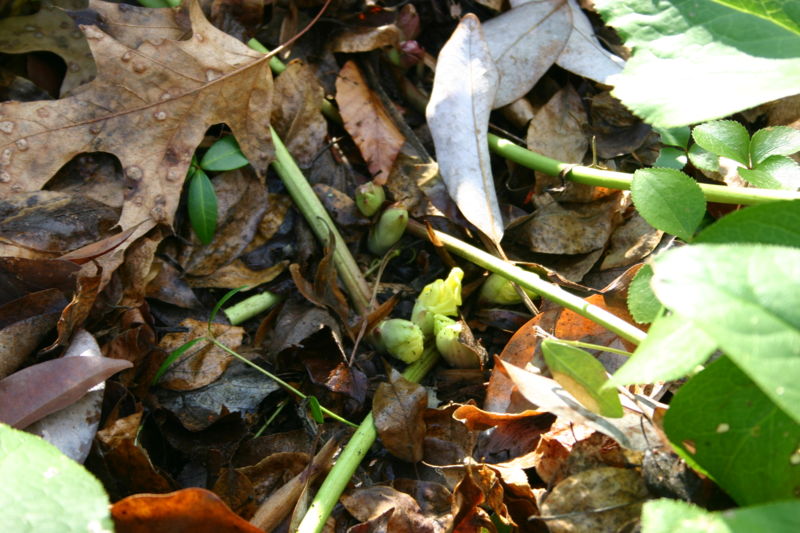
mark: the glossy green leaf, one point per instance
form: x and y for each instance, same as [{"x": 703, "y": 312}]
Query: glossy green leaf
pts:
[
  {"x": 44, "y": 490},
  {"x": 678, "y": 136},
  {"x": 669, "y": 157},
  {"x": 642, "y": 302},
  {"x": 583, "y": 376},
  {"x": 173, "y": 355},
  {"x": 746, "y": 298},
  {"x": 774, "y": 172},
  {"x": 675, "y": 516},
  {"x": 202, "y": 204},
  {"x": 696, "y": 60},
  {"x": 703, "y": 159},
  {"x": 668, "y": 200},
  {"x": 782, "y": 12},
  {"x": 224, "y": 154},
  {"x": 777, "y": 140},
  {"x": 726, "y": 138},
  {"x": 672, "y": 349},
  {"x": 772, "y": 223},
  {"x": 722, "y": 424}
]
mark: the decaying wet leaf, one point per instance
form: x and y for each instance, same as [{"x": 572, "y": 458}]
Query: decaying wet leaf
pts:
[
  {"x": 558, "y": 129},
  {"x": 398, "y": 408},
  {"x": 631, "y": 242},
  {"x": 367, "y": 38},
  {"x": 404, "y": 514},
  {"x": 174, "y": 89},
  {"x": 365, "y": 118}
]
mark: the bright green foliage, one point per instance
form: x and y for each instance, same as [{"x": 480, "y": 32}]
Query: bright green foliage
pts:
[
  {"x": 673, "y": 349},
  {"x": 785, "y": 13},
  {"x": 703, "y": 159},
  {"x": 772, "y": 223},
  {"x": 722, "y": 424},
  {"x": 677, "y": 137},
  {"x": 696, "y": 60},
  {"x": 744, "y": 297},
  {"x": 778, "y": 140},
  {"x": 668, "y": 200},
  {"x": 675, "y": 516},
  {"x": 642, "y": 302},
  {"x": 202, "y": 203},
  {"x": 44, "y": 490},
  {"x": 440, "y": 297},
  {"x": 223, "y": 155},
  {"x": 774, "y": 172},
  {"x": 726, "y": 138},
  {"x": 389, "y": 229},
  {"x": 401, "y": 339},
  {"x": 670, "y": 157},
  {"x": 583, "y": 376}
]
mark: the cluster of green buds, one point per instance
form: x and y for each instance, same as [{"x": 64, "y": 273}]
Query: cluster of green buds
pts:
[
  {"x": 369, "y": 198},
  {"x": 431, "y": 322}
]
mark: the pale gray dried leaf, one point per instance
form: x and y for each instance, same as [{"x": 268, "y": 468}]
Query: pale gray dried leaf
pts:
[
  {"x": 557, "y": 129},
  {"x": 583, "y": 54},
  {"x": 525, "y": 42},
  {"x": 458, "y": 116}
]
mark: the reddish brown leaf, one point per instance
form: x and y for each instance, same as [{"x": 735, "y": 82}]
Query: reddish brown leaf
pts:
[
  {"x": 77, "y": 311},
  {"x": 398, "y": 408},
  {"x": 368, "y": 123},
  {"x": 374, "y": 502},
  {"x": 20, "y": 276},
  {"x": 90, "y": 251},
  {"x": 38, "y": 390},
  {"x": 447, "y": 440},
  {"x": 183, "y": 511}
]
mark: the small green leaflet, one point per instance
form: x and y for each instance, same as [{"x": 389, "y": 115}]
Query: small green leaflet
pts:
[
  {"x": 227, "y": 296},
  {"x": 668, "y": 200},
  {"x": 721, "y": 423},
  {"x": 677, "y": 137},
  {"x": 44, "y": 490},
  {"x": 675, "y": 516},
  {"x": 316, "y": 409},
  {"x": 202, "y": 205},
  {"x": 774, "y": 172},
  {"x": 772, "y": 223},
  {"x": 642, "y": 302},
  {"x": 777, "y": 140},
  {"x": 583, "y": 376},
  {"x": 726, "y": 138},
  {"x": 224, "y": 154},
  {"x": 670, "y": 157},
  {"x": 703, "y": 159}
]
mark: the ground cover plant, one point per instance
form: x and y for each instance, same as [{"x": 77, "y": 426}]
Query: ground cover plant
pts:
[{"x": 439, "y": 266}]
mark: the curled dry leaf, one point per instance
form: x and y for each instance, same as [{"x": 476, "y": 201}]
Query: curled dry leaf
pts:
[
  {"x": 458, "y": 115},
  {"x": 174, "y": 89},
  {"x": 398, "y": 409},
  {"x": 366, "y": 120}
]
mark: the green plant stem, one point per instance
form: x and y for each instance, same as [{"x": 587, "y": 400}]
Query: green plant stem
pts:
[
  {"x": 276, "y": 379},
  {"x": 321, "y": 223},
  {"x": 532, "y": 282},
  {"x": 250, "y": 307},
  {"x": 620, "y": 180},
  {"x": 353, "y": 454},
  {"x": 590, "y": 346}
]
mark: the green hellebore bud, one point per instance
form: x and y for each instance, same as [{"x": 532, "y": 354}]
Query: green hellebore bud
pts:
[
  {"x": 388, "y": 230},
  {"x": 369, "y": 198},
  {"x": 441, "y": 297},
  {"x": 456, "y": 344},
  {"x": 499, "y": 290},
  {"x": 400, "y": 338}
]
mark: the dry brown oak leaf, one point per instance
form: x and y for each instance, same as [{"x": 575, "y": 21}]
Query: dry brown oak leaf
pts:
[{"x": 150, "y": 105}]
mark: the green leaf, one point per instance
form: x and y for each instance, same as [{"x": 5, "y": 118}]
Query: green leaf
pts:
[
  {"x": 782, "y": 12},
  {"x": 583, "y": 376},
  {"x": 670, "y": 157},
  {"x": 774, "y": 172},
  {"x": 224, "y": 154},
  {"x": 696, "y": 60},
  {"x": 202, "y": 205},
  {"x": 173, "y": 355},
  {"x": 703, "y": 159},
  {"x": 722, "y": 424},
  {"x": 668, "y": 200},
  {"x": 675, "y": 136},
  {"x": 44, "y": 490},
  {"x": 316, "y": 409},
  {"x": 642, "y": 302},
  {"x": 745, "y": 297},
  {"x": 672, "y": 349},
  {"x": 777, "y": 140},
  {"x": 772, "y": 223},
  {"x": 726, "y": 138},
  {"x": 675, "y": 516}
]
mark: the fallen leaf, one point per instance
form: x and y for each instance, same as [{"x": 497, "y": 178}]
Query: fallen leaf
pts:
[
  {"x": 406, "y": 516},
  {"x": 366, "y": 120},
  {"x": 398, "y": 408},
  {"x": 631, "y": 242},
  {"x": 557, "y": 129},
  {"x": 20, "y": 276},
  {"x": 366, "y": 38},
  {"x": 458, "y": 116}
]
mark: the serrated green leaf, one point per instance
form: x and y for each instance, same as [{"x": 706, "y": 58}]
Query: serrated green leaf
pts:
[
  {"x": 678, "y": 136},
  {"x": 772, "y": 223},
  {"x": 44, "y": 490},
  {"x": 774, "y": 172},
  {"x": 672, "y": 349},
  {"x": 669, "y": 157},
  {"x": 202, "y": 204},
  {"x": 224, "y": 154},
  {"x": 777, "y": 140},
  {"x": 642, "y": 301},
  {"x": 745, "y": 297},
  {"x": 782, "y": 12},
  {"x": 668, "y": 200},
  {"x": 724, "y": 425},
  {"x": 696, "y": 60},
  {"x": 583, "y": 376},
  {"x": 703, "y": 159},
  {"x": 675, "y": 516},
  {"x": 726, "y": 138}
]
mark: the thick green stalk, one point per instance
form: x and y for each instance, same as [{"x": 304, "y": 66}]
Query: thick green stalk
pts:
[
  {"x": 250, "y": 307},
  {"x": 353, "y": 454},
  {"x": 531, "y": 281}
]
